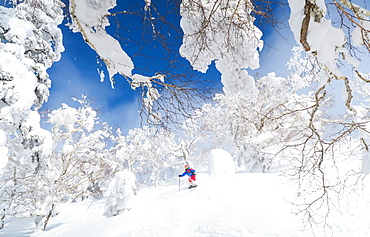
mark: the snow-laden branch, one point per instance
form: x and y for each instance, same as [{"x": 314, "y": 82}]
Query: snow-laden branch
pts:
[
  {"x": 89, "y": 17},
  {"x": 222, "y": 31},
  {"x": 320, "y": 38},
  {"x": 330, "y": 46},
  {"x": 317, "y": 33},
  {"x": 359, "y": 17},
  {"x": 355, "y": 8}
]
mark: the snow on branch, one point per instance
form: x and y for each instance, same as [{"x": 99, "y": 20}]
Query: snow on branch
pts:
[
  {"x": 316, "y": 33},
  {"x": 222, "y": 31},
  {"x": 90, "y": 19},
  {"x": 360, "y": 20},
  {"x": 355, "y": 8},
  {"x": 320, "y": 38}
]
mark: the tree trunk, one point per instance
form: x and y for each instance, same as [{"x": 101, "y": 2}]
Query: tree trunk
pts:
[{"x": 45, "y": 220}]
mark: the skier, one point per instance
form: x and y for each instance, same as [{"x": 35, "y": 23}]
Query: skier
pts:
[{"x": 191, "y": 173}]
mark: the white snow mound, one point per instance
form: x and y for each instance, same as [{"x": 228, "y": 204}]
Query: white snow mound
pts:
[
  {"x": 220, "y": 164},
  {"x": 121, "y": 191}
]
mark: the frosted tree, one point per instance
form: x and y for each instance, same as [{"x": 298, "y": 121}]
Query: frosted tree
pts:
[
  {"x": 24, "y": 190},
  {"x": 80, "y": 165},
  {"x": 256, "y": 132},
  {"x": 333, "y": 44},
  {"x": 335, "y": 34},
  {"x": 81, "y": 153},
  {"x": 223, "y": 32},
  {"x": 30, "y": 42},
  {"x": 150, "y": 153}
]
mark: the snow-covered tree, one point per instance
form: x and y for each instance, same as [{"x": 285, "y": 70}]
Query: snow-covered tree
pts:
[
  {"x": 224, "y": 32},
  {"x": 255, "y": 132},
  {"x": 150, "y": 153},
  {"x": 80, "y": 164},
  {"x": 30, "y": 42},
  {"x": 81, "y": 153},
  {"x": 91, "y": 18},
  {"x": 336, "y": 36}
]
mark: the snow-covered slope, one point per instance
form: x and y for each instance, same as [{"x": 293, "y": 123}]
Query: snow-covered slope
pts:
[{"x": 249, "y": 205}]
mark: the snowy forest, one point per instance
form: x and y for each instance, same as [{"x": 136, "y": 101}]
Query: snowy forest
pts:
[{"x": 309, "y": 126}]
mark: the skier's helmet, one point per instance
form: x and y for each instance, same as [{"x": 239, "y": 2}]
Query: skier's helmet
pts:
[{"x": 186, "y": 167}]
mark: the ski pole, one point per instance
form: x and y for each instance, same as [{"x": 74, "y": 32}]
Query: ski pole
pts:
[{"x": 179, "y": 183}]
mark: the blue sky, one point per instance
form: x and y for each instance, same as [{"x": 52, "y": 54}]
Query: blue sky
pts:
[{"x": 76, "y": 73}]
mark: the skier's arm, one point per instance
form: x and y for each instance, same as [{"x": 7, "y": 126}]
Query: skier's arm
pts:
[{"x": 183, "y": 174}]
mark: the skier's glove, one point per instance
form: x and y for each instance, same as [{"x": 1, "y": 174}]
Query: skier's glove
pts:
[{"x": 179, "y": 175}]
